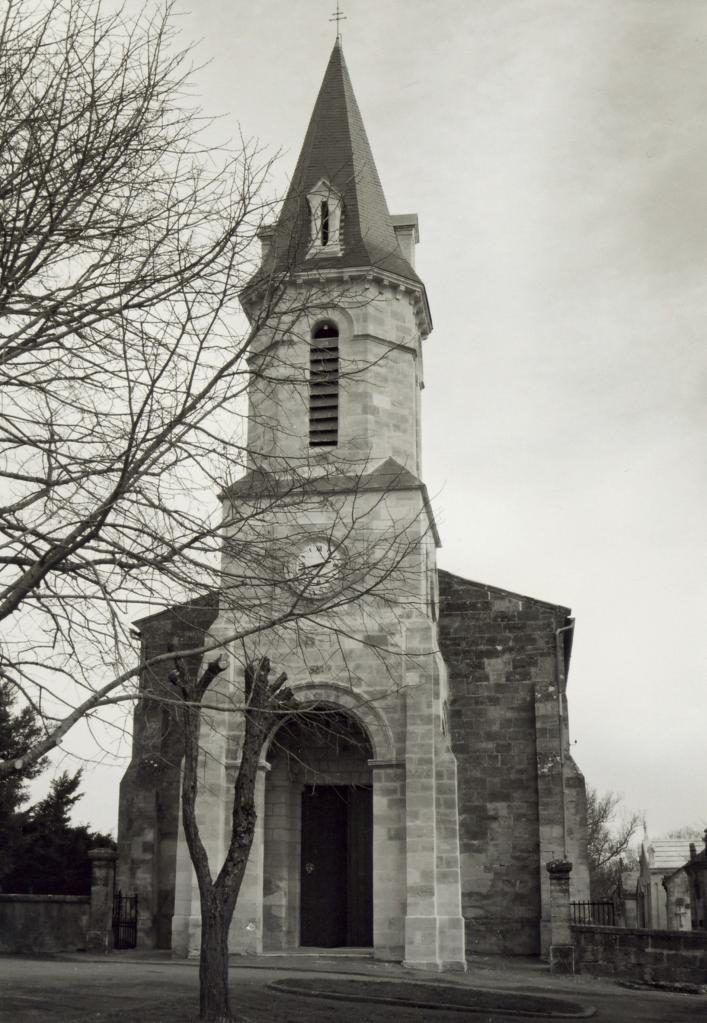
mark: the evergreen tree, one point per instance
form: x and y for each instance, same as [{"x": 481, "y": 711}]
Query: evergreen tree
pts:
[
  {"x": 54, "y": 853},
  {"x": 40, "y": 850},
  {"x": 18, "y": 733}
]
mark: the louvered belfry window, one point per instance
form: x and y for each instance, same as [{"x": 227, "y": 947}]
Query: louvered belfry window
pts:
[{"x": 324, "y": 386}]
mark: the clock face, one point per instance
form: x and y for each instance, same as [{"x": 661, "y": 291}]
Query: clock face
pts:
[{"x": 317, "y": 567}]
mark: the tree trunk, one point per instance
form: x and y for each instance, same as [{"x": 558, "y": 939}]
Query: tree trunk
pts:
[
  {"x": 213, "y": 962},
  {"x": 218, "y": 898}
]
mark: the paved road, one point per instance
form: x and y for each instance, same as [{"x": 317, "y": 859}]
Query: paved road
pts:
[{"x": 79, "y": 990}]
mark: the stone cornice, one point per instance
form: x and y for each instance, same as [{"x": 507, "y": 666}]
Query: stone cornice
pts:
[{"x": 305, "y": 278}]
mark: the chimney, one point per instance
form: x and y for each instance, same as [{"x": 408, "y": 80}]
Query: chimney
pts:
[{"x": 408, "y": 234}]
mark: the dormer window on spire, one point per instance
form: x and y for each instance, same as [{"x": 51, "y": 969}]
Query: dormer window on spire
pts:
[{"x": 325, "y": 219}]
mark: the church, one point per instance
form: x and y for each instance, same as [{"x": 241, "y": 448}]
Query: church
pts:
[{"x": 411, "y": 808}]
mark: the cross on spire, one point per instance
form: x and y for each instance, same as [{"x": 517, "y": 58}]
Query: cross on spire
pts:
[{"x": 338, "y": 16}]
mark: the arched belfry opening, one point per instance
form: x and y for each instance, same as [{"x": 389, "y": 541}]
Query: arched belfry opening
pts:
[{"x": 318, "y": 834}]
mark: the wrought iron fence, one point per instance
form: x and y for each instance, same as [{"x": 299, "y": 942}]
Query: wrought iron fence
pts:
[
  {"x": 124, "y": 920},
  {"x": 602, "y": 913}
]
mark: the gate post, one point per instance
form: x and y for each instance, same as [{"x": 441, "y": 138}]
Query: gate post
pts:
[
  {"x": 99, "y": 937},
  {"x": 561, "y": 946}
]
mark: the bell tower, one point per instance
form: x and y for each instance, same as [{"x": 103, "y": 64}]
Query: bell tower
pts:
[
  {"x": 343, "y": 271},
  {"x": 330, "y": 568}
]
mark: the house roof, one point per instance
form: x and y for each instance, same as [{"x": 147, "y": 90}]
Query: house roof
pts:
[
  {"x": 336, "y": 149},
  {"x": 189, "y": 611},
  {"x": 666, "y": 853}
]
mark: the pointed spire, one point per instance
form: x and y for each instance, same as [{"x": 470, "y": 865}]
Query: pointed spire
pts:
[{"x": 336, "y": 150}]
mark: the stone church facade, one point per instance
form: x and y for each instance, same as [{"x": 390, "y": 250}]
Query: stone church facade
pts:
[{"x": 413, "y": 806}]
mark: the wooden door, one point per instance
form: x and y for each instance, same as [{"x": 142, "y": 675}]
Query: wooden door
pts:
[
  {"x": 359, "y": 874},
  {"x": 323, "y": 867},
  {"x": 336, "y": 892}
]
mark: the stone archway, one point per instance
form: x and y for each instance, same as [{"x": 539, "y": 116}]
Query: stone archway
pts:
[
  {"x": 367, "y": 714},
  {"x": 318, "y": 833}
]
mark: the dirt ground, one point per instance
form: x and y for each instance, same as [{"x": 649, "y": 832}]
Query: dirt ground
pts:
[{"x": 138, "y": 989}]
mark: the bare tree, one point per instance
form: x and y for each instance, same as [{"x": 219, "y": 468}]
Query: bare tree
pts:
[
  {"x": 126, "y": 241},
  {"x": 123, "y": 248},
  {"x": 609, "y": 835},
  {"x": 689, "y": 832}
]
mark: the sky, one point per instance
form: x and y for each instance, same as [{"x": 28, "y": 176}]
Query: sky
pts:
[{"x": 554, "y": 151}]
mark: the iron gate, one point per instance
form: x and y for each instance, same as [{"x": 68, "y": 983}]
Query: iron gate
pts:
[{"x": 124, "y": 920}]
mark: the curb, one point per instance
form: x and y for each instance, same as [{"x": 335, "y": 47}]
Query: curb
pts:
[
  {"x": 283, "y": 987},
  {"x": 678, "y": 988}
]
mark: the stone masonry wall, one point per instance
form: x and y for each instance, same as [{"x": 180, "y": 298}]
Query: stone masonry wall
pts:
[
  {"x": 148, "y": 816},
  {"x": 498, "y": 647},
  {"x": 653, "y": 957},
  {"x": 379, "y": 379},
  {"x": 43, "y": 923}
]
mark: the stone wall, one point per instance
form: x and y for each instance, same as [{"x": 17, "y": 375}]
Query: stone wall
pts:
[
  {"x": 677, "y": 900},
  {"x": 520, "y": 804},
  {"x": 653, "y": 957},
  {"x": 380, "y": 377},
  {"x": 501, "y": 652},
  {"x": 43, "y": 923},
  {"x": 148, "y": 816}
]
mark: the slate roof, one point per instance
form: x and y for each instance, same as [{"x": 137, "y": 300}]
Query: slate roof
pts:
[
  {"x": 666, "y": 853},
  {"x": 336, "y": 148},
  {"x": 389, "y": 475}
]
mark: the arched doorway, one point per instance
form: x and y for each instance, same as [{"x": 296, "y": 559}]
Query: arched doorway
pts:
[{"x": 318, "y": 822}]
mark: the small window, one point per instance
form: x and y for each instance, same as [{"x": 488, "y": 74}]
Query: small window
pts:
[
  {"x": 324, "y": 386},
  {"x": 324, "y": 217}
]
